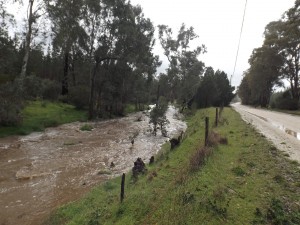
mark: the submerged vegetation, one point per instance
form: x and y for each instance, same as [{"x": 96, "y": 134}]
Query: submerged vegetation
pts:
[{"x": 245, "y": 180}]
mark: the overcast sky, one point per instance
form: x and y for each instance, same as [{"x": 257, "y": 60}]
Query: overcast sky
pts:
[{"x": 218, "y": 24}]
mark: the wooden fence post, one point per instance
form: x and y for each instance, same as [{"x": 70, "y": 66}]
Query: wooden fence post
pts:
[
  {"x": 122, "y": 187},
  {"x": 206, "y": 130},
  {"x": 217, "y": 117}
]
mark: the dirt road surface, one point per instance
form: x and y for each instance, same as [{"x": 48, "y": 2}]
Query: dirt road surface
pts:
[{"x": 281, "y": 128}]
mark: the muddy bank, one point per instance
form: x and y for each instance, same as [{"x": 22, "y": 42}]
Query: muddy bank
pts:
[{"x": 44, "y": 170}]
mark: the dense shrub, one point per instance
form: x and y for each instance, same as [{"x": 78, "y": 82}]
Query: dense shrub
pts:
[
  {"x": 11, "y": 104},
  {"x": 79, "y": 96},
  {"x": 50, "y": 89},
  {"x": 283, "y": 100},
  {"x": 32, "y": 86},
  {"x": 35, "y": 87}
]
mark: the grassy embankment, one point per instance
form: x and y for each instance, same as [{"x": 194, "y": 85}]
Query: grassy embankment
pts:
[
  {"x": 247, "y": 181},
  {"x": 38, "y": 115}
]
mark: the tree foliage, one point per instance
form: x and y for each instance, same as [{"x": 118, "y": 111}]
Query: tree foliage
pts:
[
  {"x": 158, "y": 116},
  {"x": 98, "y": 55},
  {"x": 187, "y": 80},
  {"x": 284, "y": 37},
  {"x": 8, "y": 49},
  {"x": 263, "y": 74},
  {"x": 277, "y": 60},
  {"x": 183, "y": 74},
  {"x": 99, "y": 50},
  {"x": 214, "y": 89},
  {"x": 11, "y": 104}
]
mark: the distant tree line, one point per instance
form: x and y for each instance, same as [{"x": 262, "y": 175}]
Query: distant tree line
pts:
[
  {"x": 277, "y": 60},
  {"x": 97, "y": 55}
]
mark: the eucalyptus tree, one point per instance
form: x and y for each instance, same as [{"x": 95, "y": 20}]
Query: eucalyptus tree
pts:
[
  {"x": 30, "y": 19},
  {"x": 135, "y": 41},
  {"x": 185, "y": 69},
  {"x": 6, "y": 20},
  {"x": 284, "y": 37},
  {"x": 262, "y": 76},
  {"x": 122, "y": 54},
  {"x": 8, "y": 49},
  {"x": 265, "y": 65},
  {"x": 244, "y": 90},
  {"x": 35, "y": 10},
  {"x": 66, "y": 17},
  {"x": 97, "y": 19},
  {"x": 10, "y": 97}
]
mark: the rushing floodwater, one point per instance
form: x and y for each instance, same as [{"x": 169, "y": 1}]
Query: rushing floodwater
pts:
[{"x": 44, "y": 170}]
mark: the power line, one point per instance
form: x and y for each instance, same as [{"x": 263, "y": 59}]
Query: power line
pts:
[{"x": 238, "y": 49}]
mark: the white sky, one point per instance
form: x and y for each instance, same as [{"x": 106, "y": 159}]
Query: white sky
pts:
[{"x": 218, "y": 24}]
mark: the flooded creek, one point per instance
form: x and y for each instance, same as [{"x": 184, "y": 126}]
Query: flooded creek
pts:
[{"x": 44, "y": 170}]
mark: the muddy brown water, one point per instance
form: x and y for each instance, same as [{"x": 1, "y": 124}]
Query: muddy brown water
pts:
[{"x": 44, "y": 170}]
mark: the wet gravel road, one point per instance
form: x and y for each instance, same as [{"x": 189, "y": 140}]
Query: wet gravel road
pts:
[{"x": 281, "y": 128}]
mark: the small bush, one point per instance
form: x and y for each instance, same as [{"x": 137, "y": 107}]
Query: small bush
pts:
[
  {"x": 187, "y": 198},
  {"x": 32, "y": 86},
  {"x": 86, "y": 127},
  {"x": 50, "y": 89},
  {"x": 11, "y": 104},
  {"x": 238, "y": 171},
  {"x": 79, "y": 96},
  {"x": 198, "y": 159},
  {"x": 283, "y": 100},
  {"x": 152, "y": 175},
  {"x": 217, "y": 208},
  {"x": 215, "y": 138},
  {"x": 279, "y": 179},
  {"x": 95, "y": 218},
  {"x": 158, "y": 117}
]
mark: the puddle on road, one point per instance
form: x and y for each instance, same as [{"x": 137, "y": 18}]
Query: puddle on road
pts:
[
  {"x": 43, "y": 170},
  {"x": 286, "y": 130},
  {"x": 279, "y": 126}
]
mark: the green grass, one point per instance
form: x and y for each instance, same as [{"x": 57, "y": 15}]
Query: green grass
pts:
[
  {"x": 247, "y": 181},
  {"x": 38, "y": 115}
]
